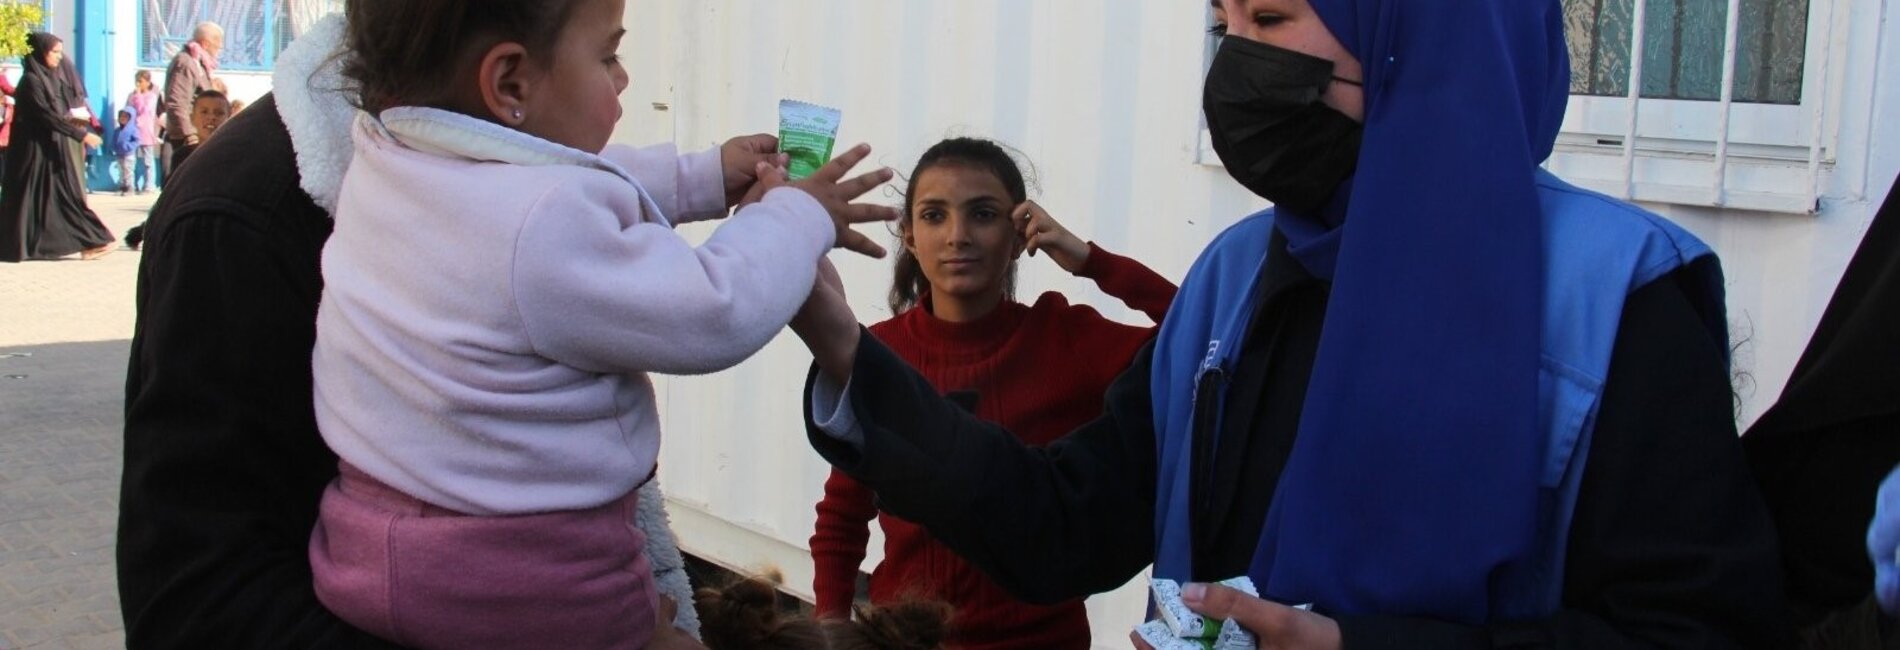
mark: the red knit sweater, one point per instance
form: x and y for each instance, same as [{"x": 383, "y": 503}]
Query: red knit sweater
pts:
[{"x": 1040, "y": 372}]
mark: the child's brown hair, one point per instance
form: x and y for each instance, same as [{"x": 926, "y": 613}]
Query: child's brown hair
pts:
[
  {"x": 413, "y": 52},
  {"x": 750, "y": 614}
]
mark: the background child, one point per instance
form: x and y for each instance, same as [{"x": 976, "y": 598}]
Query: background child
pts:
[
  {"x": 125, "y": 145},
  {"x": 208, "y": 112},
  {"x": 143, "y": 102},
  {"x": 751, "y": 615},
  {"x": 498, "y": 284}
]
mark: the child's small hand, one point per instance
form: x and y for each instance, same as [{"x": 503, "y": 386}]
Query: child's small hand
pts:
[
  {"x": 769, "y": 177},
  {"x": 741, "y": 157},
  {"x": 1042, "y": 232},
  {"x": 827, "y": 185}
]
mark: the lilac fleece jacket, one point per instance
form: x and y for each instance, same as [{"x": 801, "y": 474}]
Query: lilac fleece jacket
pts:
[{"x": 493, "y": 302}]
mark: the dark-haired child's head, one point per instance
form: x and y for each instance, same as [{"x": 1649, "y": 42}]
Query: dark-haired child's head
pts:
[
  {"x": 548, "y": 68},
  {"x": 751, "y": 615},
  {"x": 958, "y": 238},
  {"x": 209, "y": 111},
  {"x": 125, "y": 117},
  {"x": 142, "y": 80}
]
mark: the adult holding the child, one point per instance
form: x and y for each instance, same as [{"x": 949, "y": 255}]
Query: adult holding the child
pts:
[
  {"x": 1037, "y": 370},
  {"x": 189, "y": 74},
  {"x": 1437, "y": 393},
  {"x": 43, "y": 212}
]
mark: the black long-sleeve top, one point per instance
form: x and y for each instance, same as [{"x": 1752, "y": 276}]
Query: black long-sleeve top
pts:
[
  {"x": 223, "y": 463},
  {"x": 1671, "y": 545}
]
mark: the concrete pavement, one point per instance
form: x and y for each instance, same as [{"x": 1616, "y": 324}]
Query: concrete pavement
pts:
[{"x": 64, "y": 331}]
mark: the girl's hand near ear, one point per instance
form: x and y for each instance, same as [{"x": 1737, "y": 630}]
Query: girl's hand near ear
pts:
[{"x": 1042, "y": 232}]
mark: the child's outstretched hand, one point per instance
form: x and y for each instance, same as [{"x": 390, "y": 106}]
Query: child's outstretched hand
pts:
[
  {"x": 1042, "y": 232},
  {"x": 828, "y": 187}
]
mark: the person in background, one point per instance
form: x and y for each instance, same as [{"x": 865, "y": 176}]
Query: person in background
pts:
[
  {"x": 189, "y": 75},
  {"x": 81, "y": 114},
  {"x": 208, "y": 113},
  {"x": 144, "y": 102},
  {"x": 125, "y": 145},
  {"x": 43, "y": 212},
  {"x": 1039, "y": 371},
  {"x": 237, "y": 106},
  {"x": 6, "y": 117},
  {"x": 751, "y": 614}
]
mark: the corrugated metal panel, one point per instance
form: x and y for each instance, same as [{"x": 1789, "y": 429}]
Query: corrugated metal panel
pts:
[{"x": 1104, "y": 99}]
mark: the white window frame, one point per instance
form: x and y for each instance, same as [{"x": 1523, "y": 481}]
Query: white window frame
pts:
[{"x": 1766, "y": 157}]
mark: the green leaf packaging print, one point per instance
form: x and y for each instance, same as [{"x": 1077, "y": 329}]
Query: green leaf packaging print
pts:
[{"x": 806, "y": 133}]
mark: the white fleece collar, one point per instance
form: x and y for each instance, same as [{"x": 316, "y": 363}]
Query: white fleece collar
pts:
[
  {"x": 448, "y": 133},
  {"x": 313, "y": 100},
  {"x": 451, "y": 134}
]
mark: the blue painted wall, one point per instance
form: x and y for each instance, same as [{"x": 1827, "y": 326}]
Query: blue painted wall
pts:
[{"x": 92, "y": 40}]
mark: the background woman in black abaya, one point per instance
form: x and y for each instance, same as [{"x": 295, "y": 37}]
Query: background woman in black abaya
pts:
[{"x": 43, "y": 213}]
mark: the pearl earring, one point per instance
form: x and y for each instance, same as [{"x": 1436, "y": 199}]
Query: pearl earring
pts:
[{"x": 517, "y": 113}]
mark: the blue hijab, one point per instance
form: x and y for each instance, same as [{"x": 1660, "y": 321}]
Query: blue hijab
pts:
[{"x": 1414, "y": 476}]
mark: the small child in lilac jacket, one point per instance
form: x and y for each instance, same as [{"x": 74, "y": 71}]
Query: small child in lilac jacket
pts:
[{"x": 498, "y": 285}]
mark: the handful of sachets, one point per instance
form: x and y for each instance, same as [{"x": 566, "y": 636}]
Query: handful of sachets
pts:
[{"x": 1179, "y": 628}]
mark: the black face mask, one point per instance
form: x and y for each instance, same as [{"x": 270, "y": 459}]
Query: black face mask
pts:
[{"x": 1270, "y": 128}]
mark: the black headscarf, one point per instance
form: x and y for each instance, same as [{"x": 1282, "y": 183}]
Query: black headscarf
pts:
[
  {"x": 1822, "y": 450},
  {"x": 38, "y": 44}
]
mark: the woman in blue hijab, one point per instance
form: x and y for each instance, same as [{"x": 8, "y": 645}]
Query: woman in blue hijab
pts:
[{"x": 1437, "y": 393}]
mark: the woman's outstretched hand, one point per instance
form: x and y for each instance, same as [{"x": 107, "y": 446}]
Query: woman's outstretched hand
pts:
[
  {"x": 829, "y": 187},
  {"x": 1277, "y": 626},
  {"x": 1042, "y": 232},
  {"x": 827, "y": 326}
]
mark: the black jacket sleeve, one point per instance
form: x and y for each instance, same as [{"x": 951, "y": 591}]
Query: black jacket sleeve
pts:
[
  {"x": 223, "y": 464},
  {"x": 1671, "y": 544},
  {"x": 1048, "y": 524}
]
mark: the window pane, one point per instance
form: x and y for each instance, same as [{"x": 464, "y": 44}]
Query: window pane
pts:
[
  {"x": 254, "y": 30},
  {"x": 1682, "y": 48}
]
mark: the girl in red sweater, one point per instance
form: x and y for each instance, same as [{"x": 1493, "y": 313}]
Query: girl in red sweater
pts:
[{"x": 1040, "y": 371}]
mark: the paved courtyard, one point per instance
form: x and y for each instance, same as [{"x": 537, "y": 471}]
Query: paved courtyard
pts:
[{"x": 64, "y": 331}]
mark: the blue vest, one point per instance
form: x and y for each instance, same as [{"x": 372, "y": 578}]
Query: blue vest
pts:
[{"x": 1597, "y": 251}]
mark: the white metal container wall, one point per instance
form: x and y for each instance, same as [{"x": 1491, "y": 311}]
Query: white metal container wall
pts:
[{"x": 1103, "y": 98}]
